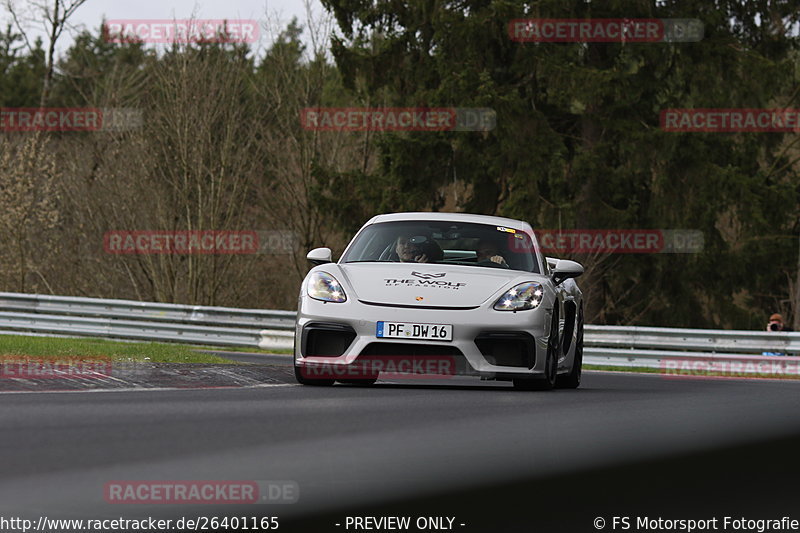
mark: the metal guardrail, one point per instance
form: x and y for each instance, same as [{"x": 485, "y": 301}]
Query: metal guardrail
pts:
[
  {"x": 270, "y": 329},
  {"x": 664, "y": 348},
  {"x": 146, "y": 321},
  {"x": 699, "y": 340},
  {"x": 150, "y": 311}
]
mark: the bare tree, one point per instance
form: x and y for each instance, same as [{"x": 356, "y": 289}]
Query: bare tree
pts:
[
  {"x": 220, "y": 148},
  {"x": 27, "y": 202},
  {"x": 293, "y": 79},
  {"x": 796, "y": 294},
  {"x": 53, "y": 15}
]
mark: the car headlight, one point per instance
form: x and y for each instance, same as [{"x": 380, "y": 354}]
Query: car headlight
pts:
[
  {"x": 322, "y": 286},
  {"x": 526, "y": 295}
]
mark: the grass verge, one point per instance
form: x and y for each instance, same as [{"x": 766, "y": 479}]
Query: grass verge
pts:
[
  {"x": 152, "y": 352},
  {"x": 624, "y": 368},
  {"x": 245, "y": 349}
]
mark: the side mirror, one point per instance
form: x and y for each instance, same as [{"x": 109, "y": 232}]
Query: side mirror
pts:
[
  {"x": 319, "y": 256},
  {"x": 566, "y": 269}
]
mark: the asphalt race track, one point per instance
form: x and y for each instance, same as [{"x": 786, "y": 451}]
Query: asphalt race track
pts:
[{"x": 492, "y": 457}]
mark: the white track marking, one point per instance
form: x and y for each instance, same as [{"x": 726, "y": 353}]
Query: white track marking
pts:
[{"x": 145, "y": 389}]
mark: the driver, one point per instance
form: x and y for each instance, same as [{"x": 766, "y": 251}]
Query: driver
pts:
[{"x": 427, "y": 251}]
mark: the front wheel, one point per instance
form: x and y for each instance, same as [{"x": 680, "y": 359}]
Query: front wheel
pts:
[{"x": 573, "y": 379}]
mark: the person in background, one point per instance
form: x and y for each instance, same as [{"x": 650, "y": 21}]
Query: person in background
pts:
[{"x": 776, "y": 323}]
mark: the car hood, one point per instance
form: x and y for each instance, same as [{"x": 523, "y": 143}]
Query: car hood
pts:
[{"x": 426, "y": 285}]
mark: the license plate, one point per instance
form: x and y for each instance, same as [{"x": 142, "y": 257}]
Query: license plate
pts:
[{"x": 406, "y": 330}]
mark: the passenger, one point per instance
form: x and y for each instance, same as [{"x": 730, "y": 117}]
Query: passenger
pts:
[{"x": 489, "y": 252}]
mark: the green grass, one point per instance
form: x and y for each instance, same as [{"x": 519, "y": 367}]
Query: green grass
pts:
[
  {"x": 624, "y": 368},
  {"x": 49, "y": 347},
  {"x": 245, "y": 349}
]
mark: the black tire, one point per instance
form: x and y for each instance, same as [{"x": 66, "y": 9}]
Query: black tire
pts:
[
  {"x": 298, "y": 375},
  {"x": 573, "y": 379},
  {"x": 551, "y": 363}
]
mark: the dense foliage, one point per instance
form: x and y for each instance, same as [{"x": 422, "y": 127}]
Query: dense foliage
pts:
[{"x": 577, "y": 145}]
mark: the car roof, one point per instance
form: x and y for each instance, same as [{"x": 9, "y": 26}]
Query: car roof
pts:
[{"x": 454, "y": 217}]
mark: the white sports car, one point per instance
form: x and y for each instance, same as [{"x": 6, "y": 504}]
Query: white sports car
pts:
[{"x": 420, "y": 294}]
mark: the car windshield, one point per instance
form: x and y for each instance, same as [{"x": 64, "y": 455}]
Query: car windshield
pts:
[{"x": 468, "y": 244}]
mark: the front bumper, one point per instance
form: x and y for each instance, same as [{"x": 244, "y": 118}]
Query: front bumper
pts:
[{"x": 487, "y": 343}]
